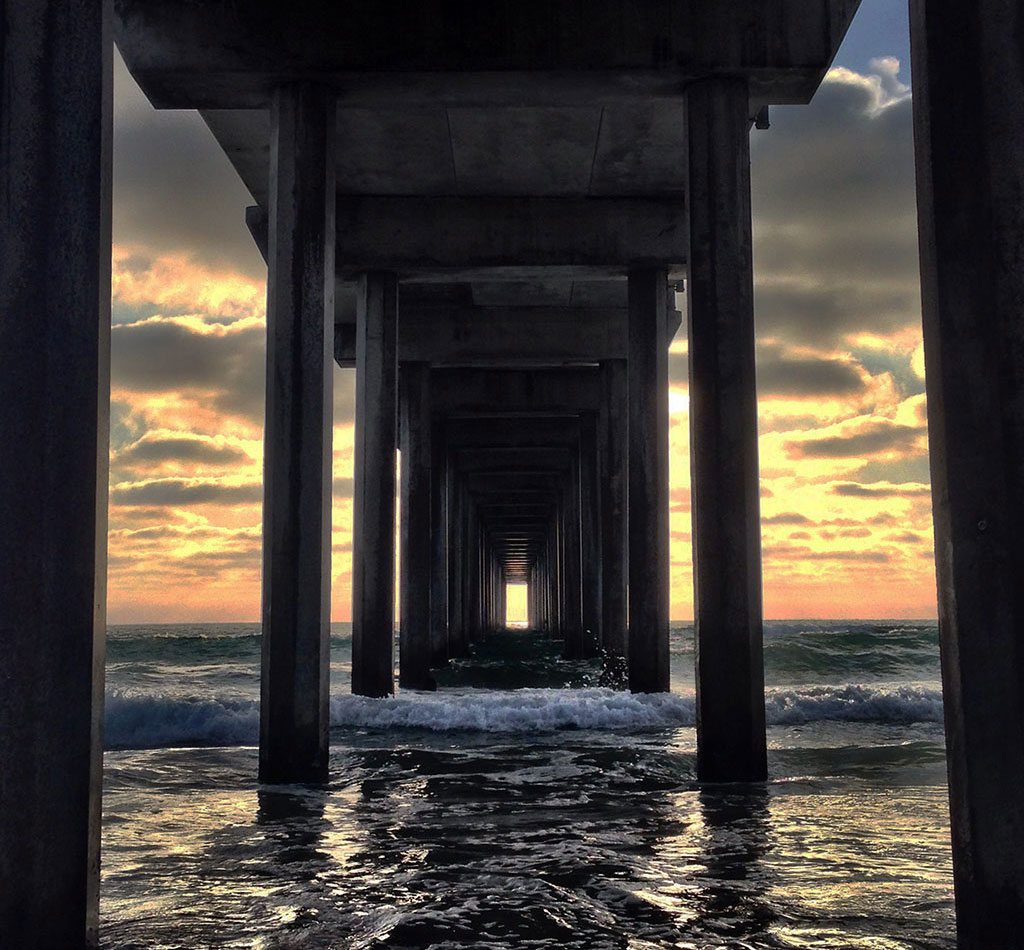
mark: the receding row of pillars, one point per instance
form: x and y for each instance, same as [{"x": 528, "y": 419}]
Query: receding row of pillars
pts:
[
  {"x": 636, "y": 477},
  {"x": 55, "y": 218}
]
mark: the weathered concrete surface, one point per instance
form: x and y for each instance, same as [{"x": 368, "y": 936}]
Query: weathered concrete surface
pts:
[
  {"x": 373, "y": 519},
  {"x": 437, "y": 234},
  {"x": 415, "y": 548},
  {"x": 723, "y": 439},
  {"x": 591, "y": 552},
  {"x": 648, "y": 483},
  {"x": 220, "y": 55},
  {"x": 614, "y": 475},
  {"x": 503, "y": 336},
  {"x": 55, "y": 125},
  {"x": 438, "y": 545},
  {"x": 969, "y": 137},
  {"x": 294, "y": 715}
]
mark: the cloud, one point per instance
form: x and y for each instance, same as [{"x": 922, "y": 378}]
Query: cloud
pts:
[
  {"x": 225, "y": 364},
  {"x": 881, "y": 490},
  {"x": 779, "y": 375},
  {"x": 835, "y": 212},
  {"x": 875, "y": 438},
  {"x": 181, "y": 448},
  {"x": 174, "y": 189},
  {"x": 183, "y": 492},
  {"x": 787, "y": 517}
]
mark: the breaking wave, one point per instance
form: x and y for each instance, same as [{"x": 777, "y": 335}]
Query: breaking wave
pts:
[{"x": 139, "y": 720}]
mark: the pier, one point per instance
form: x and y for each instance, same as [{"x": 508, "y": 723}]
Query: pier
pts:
[{"x": 492, "y": 215}]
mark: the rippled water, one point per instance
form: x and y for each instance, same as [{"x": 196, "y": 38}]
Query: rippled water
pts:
[{"x": 567, "y": 818}]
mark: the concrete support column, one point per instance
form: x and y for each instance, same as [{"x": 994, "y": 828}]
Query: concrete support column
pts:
[
  {"x": 723, "y": 438},
  {"x": 590, "y": 535},
  {"x": 571, "y": 546},
  {"x": 458, "y": 638},
  {"x": 969, "y": 126},
  {"x": 648, "y": 482},
  {"x": 438, "y": 547},
  {"x": 373, "y": 519},
  {"x": 297, "y": 455},
  {"x": 54, "y": 425},
  {"x": 613, "y": 508},
  {"x": 415, "y": 549}
]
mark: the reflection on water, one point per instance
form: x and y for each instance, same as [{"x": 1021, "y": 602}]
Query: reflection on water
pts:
[
  {"x": 596, "y": 840},
  {"x": 537, "y": 837}
]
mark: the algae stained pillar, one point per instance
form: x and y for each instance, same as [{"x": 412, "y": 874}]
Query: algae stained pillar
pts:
[
  {"x": 723, "y": 437},
  {"x": 55, "y": 124},
  {"x": 648, "y": 482},
  {"x": 297, "y": 438},
  {"x": 969, "y": 129},
  {"x": 373, "y": 503}
]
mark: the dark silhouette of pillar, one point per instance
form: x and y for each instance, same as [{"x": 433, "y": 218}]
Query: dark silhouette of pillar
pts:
[
  {"x": 969, "y": 129},
  {"x": 373, "y": 509},
  {"x": 55, "y": 123},
  {"x": 415, "y": 549},
  {"x": 648, "y": 482},
  {"x": 438, "y": 547},
  {"x": 723, "y": 439},
  {"x": 613, "y": 509},
  {"x": 590, "y": 534},
  {"x": 294, "y": 715}
]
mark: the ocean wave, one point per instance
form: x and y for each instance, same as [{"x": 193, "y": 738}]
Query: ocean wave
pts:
[
  {"x": 521, "y": 710},
  {"x": 853, "y": 703},
  {"x": 138, "y": 720},
  {"x": 143, "y": 721}
]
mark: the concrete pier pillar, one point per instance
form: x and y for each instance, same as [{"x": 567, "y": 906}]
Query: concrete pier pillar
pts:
[
  {"x": 648, "y": 482},
  {"x": 294, "y": 718},
  {"x": 572, "y": 630},
  {"x": 373, "y": 508},
  {"x": 969, "y": 126},
  {"x": 590, "y": 535},
  {"x": 458, "y": 638},
  {"x": 54, "y": 415},
  {"x": 613, "y": 508},
  {"x": 723, "y": 438},
  {"x": 438, "y": 547},
  {"x": 415, "y": 549}
]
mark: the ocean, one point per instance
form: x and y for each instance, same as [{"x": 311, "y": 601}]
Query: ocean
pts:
[{"x": 524, "y": 806}]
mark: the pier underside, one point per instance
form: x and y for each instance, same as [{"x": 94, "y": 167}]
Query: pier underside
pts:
[{"x": 491, "y": 214}]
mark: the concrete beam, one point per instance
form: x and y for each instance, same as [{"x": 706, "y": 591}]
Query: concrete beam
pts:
[
  {"x": 723, "y": 439},
  {"x": 222, "y": 56},
  {"x": 504, "y": 392},
  {"x": 294, "y": 714},
  {"x": 474, "y": 336},
  {"x": 55, "y": 67},
  {"x": 373, "y": 505},
  {"x": 414, "y": 235},
  {"x": 456, "y": 238},
  {"x": 969, "y": 126}
]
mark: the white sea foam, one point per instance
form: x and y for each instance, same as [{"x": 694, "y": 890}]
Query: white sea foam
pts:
[
  {"x": 521, "y": 710},
  {"x": 139, "y": 720}
]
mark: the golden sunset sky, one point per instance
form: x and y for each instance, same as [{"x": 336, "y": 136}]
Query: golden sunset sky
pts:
[{"x": 844, "y": 467}]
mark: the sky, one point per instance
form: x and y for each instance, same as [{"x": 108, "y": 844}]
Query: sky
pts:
[{"x": 846, "y": 508}]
